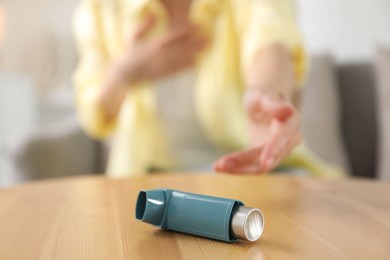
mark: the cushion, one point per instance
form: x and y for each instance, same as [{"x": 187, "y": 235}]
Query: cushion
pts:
[
  {"x": 62, "y": 149},
  {"x": 357, "y": 88},
  {"x": 321, "y": 113},
  {"x": 383, "y": 71}
]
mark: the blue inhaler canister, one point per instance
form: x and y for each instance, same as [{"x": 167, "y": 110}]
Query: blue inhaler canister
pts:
[{"x": 212, "y": 217}]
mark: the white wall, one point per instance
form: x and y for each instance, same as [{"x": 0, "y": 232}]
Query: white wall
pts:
[
  {"x": 18, "y": 113},
  {"x": 349, "y": 28}
]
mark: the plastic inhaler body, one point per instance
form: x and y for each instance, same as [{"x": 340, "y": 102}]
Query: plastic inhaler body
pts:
[{"x": 212, "y": 217}]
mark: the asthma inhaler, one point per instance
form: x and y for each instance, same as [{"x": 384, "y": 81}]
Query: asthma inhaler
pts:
[{"x": 212, "y": 217}]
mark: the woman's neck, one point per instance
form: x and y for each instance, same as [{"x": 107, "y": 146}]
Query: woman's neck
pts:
[{"x": 177, "y": 10}]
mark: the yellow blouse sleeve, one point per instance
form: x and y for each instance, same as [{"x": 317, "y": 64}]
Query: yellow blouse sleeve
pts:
[
  {"x": 273, "y": 21},
  {"x": 92, "y": 66}
]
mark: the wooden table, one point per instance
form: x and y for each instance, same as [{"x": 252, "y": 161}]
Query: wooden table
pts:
[{"x": 93, "y": 218}]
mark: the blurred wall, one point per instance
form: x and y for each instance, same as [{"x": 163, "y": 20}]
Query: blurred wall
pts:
[
  {"x": 350, "y": 29},
  {"x": 38, "y": 41}
]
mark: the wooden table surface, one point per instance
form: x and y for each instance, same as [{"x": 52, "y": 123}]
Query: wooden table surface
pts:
[{"x": 93, "y": 218}]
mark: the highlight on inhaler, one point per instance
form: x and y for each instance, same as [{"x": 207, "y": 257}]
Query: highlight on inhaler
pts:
[{"x": 212, "y": 217}]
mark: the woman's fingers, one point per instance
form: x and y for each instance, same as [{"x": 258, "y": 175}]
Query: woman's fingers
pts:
[
  {"x": 283, "y": 133},
  {"x": 177, "y": 50},
  {"x": 281, "y": 121},
  {"x": 145, "y": 27},
  {"x": 177, "y": 37},
  {"x": 284, "y": 136},
  {"x": 156, "y": 57},
  {"x": 191, "y": 47},
  {"x": 171, "y": 60},
  {"x": 179, "y": 60},
  {"x": 183, "y": 56},
  {"x": 284, "y": 152},
  {"x": 241, "y": 162}
]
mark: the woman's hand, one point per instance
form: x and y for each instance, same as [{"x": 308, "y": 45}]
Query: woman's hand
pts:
[
  {"x": 274, "y": 129},
  {"x": 151, "y": 59}
]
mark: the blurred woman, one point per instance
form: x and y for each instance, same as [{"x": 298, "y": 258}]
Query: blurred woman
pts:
[{"x": 183, "y": 85}]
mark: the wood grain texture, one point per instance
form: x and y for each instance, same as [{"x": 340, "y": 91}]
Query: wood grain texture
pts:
[{"x": 93, "y": 218}]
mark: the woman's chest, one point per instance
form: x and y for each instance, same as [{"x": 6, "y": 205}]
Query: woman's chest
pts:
[{"x": 119, "y": 19}]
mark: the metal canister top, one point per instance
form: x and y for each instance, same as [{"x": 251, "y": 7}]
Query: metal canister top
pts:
[{"x": 247, "y": 223}]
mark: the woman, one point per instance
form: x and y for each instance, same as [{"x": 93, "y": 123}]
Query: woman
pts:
[{"x": 182, "y": 84}]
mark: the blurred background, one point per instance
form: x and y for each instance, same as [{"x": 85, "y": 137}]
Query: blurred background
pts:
[{"x": 344, "y": 103}]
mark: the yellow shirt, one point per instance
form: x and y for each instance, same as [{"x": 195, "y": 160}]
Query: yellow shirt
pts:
[{"x": 238, "y": 30}]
